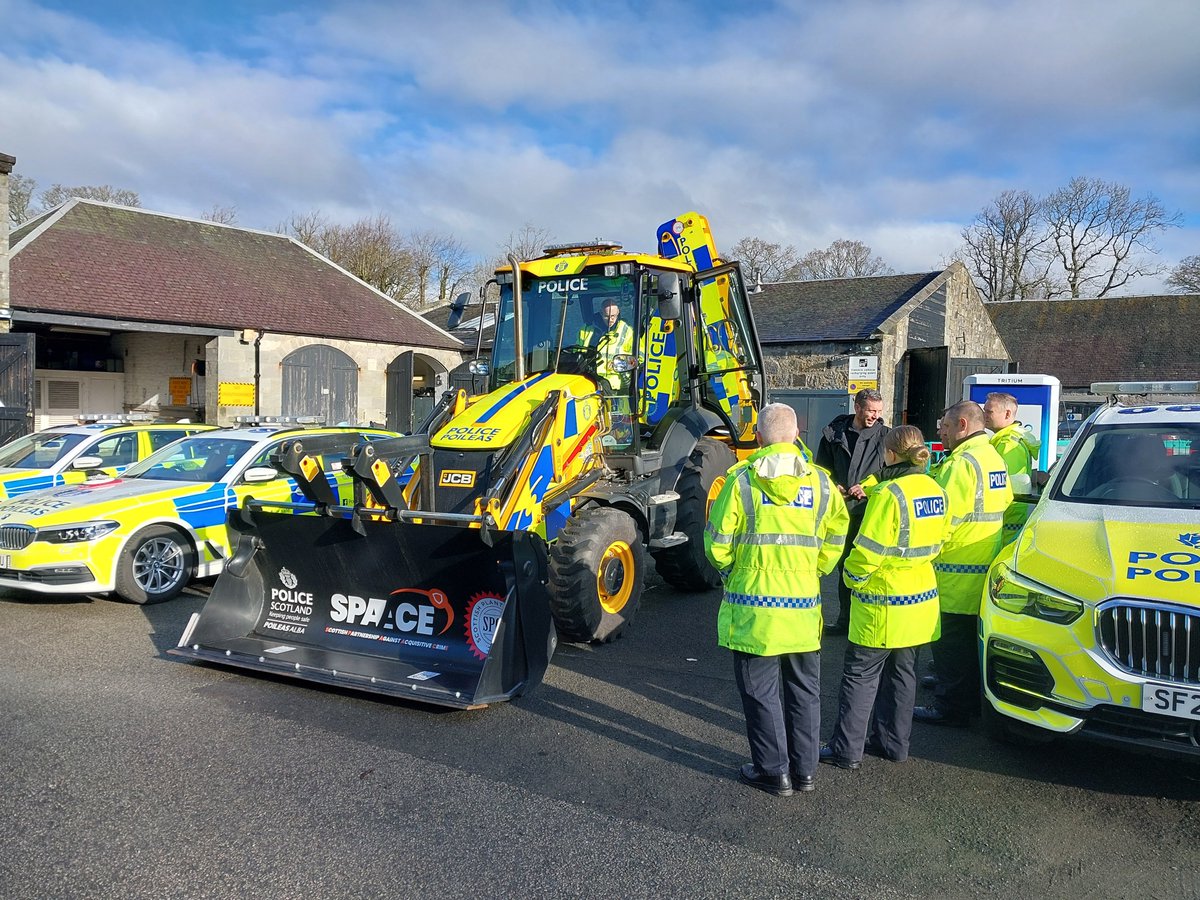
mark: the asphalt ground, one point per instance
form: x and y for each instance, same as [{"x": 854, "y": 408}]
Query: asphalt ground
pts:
[{"x": 129, "y": 773}]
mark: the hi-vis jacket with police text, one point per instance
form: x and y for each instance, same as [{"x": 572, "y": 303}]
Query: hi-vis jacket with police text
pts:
[
  {"x": 893, "y": 591},
  {"x": 975, "y": 480},
  {"x": 1013, "y": 444},
  {"x": 609, "y": 343},
  {"x": 778, "y": 524}
]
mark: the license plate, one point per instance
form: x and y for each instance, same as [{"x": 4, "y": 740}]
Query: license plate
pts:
[
  {"x": 5, "y": 560},
  {"x": 1169, "y": 700}
]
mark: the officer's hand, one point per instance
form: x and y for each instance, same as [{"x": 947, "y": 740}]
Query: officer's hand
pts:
[{"x": 856, "y": 491}]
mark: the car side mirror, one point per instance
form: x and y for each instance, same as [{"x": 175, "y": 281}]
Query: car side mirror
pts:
[
  {"x": 256, "y": 474},
  {"x": 87, "y": 462},
  {"x": 670, "y": 297}
]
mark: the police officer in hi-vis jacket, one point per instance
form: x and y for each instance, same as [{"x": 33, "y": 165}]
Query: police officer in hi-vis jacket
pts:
[
  {"x": 975, "y": 480},
  {"x": 776, "y": 527},
  {"x": 893, "y": 604}
]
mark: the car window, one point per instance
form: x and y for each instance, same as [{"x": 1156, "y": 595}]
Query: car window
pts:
[
  {"x": 115, "y": 449},
  {"x": 1144, "y": 465},
  {"x": 160, "y": 439},
  {"x": 198, "y": 458},
  {"x": 38, "y": 451}
]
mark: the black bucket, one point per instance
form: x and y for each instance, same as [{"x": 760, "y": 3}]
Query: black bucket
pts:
[{"x": 428, "y": 612}]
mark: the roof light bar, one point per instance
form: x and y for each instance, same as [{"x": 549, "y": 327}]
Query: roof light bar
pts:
[
  {"x": 307, "y": 421},
  {"x": 1146, "y": 387},
  {"x": 114, "y": 418}
]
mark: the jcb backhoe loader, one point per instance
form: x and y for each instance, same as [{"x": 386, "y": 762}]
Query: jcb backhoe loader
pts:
[{"x": 621, "y": 388}]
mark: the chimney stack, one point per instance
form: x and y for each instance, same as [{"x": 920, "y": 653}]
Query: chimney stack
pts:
[{"x": 6, "y": 166}]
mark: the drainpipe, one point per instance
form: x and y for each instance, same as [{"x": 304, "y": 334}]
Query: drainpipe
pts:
[{"x": 6, "y": 166}]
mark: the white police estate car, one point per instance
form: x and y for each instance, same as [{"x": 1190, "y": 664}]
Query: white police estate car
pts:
[
  {"x": 1091, "y": 618},
  {"x": 146, "y": 533}
]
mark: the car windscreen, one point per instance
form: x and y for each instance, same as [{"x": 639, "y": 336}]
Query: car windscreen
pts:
[
  {"x": 198, "y": 459},
  {"x": 38, "y": 451},
  {"x": 1155, "y": 465}
]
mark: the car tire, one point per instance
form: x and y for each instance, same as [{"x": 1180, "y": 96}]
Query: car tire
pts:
[
  {"x": 155, "y": 566},
  {"x": 685, "y": 566}
]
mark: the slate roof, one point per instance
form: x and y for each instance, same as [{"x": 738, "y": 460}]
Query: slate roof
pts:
[
  {"x": 468, "y": 327},
  {"x": 1110, "y": 339},
  {"x": 838, "y": 309},
  {"x": 100, "y": 260}
]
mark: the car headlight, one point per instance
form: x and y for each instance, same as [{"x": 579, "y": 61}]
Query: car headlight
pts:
[
  {"x": 75, "y": 534},
  {"x": 1016, "y": 594}
]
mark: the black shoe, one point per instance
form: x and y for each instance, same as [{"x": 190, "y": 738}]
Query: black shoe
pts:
[
  {"x": 779, "y": 785},
  {"x": 874, "y": 749},
  {"x": 931, "y": 681},
  {"x": 830, "y": 758},
  {"x": 838, "y": 628},
  {"x": 803, "y": 783},
  {"x": 931, "y": 715}
]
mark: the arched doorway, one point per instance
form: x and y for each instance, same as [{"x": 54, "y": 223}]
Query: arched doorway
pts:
[
  {"x": 320, "y": 381},
  {"x": 414, "y": 384}
]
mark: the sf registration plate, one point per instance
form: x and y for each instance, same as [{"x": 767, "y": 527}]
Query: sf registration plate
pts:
[
  {"x": 5, "y": 560},
  {"x": 1171, "y": 700}
]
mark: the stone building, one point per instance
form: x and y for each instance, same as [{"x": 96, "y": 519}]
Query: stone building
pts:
[
  {"x": 130, "y": 310},
  {"x": 913, "y": 337},
  {"x": 1081, "y": 342}
]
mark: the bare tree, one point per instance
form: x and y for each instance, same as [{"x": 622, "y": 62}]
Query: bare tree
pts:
[
  {"x": 20, "y": 198},
  {"x": 369, "y": 248},
  {"x": 1003, "y": 249},
  {"x": 57, "y": 194},
  {"x": 1099, "y": 234},
  {"x": 764, "y": 261},
  {"x": 529, "y": 242},
  {"x": 439, "y": 261},
  {"x": 222, "y": 215},
  {"x": 1185, "y": 277},
  {"x": 841, "y": 259}
]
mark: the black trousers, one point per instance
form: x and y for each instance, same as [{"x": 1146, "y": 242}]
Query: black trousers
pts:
[
  {"x": 843, "y": 617},
  {"x": 781, "y": 698},
  {"x": 956, "y": 655},
  {"x": 879, "y": 688}
]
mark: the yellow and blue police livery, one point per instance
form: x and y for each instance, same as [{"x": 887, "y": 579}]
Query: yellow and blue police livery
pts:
[
  {"x": 69, "y": 454},
  {"x": 1091, "y": 619},
  {"x": 146, "y": 533}
]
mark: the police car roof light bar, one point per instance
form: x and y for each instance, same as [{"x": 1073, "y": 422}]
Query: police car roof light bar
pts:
[
  {"x": 113, "y": 418},
  {"x": 1146, "y": 387}
]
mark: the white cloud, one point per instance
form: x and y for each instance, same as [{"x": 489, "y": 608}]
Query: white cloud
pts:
[{"x": 887, "y": 122}]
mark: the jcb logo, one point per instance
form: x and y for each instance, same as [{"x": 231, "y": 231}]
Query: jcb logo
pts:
[{"x": 454, "y": 478}]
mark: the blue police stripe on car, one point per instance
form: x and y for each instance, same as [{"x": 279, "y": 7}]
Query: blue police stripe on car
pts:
[{"x": 204, "y": 510}]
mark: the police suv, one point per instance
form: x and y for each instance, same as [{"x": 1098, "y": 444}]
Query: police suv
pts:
[{"x": 1091, "y": 619}]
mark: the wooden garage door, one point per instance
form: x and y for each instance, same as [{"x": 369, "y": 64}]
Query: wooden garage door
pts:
[
  {"x": 320, "y": 381},
  {"x": 16, "y": 385}
]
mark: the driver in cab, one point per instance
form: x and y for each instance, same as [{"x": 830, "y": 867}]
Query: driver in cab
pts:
[{"x": 609, "y": 338}]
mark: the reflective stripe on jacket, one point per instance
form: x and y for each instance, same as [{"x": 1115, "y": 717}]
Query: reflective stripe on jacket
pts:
[
  {"x": 976, "y": 483},
  {"x": 893, "y": 591},
  {"x": 1010, "y": 442},
  {"x": 609, "y": 343},
  {"x": 777, "y": 525}
]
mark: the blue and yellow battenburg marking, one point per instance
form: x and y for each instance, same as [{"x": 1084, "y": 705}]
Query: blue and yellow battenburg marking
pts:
[{"x": 688, "y": 237}]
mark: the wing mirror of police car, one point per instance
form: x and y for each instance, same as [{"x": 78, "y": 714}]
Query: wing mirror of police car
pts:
[
  {"x": 256, "y": 474},
  {"x": 87, "y": 462},
  {"x": 670, "y": 298}
]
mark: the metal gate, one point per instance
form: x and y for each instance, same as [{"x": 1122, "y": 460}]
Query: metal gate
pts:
[
  {"x": 319, "y": 380},
  {"x": 16, "y": 385}
]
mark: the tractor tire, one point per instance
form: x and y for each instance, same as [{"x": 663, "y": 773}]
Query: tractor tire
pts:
[
  {"x": 156, "y": 564},
  {"x": 597, "y": 565},
  {"x": 684, "y": 566}
]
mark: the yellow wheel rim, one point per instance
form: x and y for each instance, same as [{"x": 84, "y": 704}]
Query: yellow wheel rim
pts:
[
  {"x": 614, "y": 578},
  {"x": 714, "y": 489}
]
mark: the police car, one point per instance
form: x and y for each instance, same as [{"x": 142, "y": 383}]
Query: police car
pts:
[
  {"x": 146, "y": 533},
  {"x": 69, "y": 454},
  {"x": 1091, "y": 619}
]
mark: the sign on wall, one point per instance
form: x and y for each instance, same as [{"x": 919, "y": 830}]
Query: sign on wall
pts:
[
  {"x": 235, "y": 393},
  {"x": 180, "y": 390},
  {"x": 863, "y": 374}
]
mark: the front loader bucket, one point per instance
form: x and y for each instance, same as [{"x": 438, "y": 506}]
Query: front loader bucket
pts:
[{"x": 428, "y": 612}]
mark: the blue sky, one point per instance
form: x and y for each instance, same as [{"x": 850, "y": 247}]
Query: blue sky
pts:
[{"x": 892, "y": 122}]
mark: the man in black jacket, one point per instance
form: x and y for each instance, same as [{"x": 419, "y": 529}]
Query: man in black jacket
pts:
[{"x": 851, "y": 449}]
